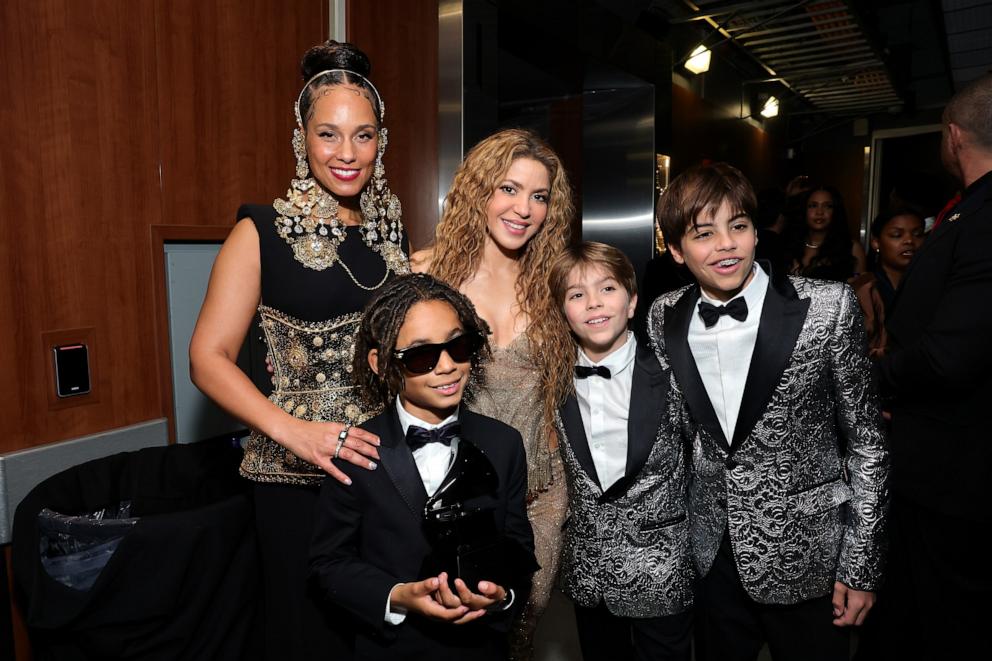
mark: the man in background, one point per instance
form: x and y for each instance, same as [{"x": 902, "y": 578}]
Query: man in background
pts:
[{"x": 937, "y": 370}]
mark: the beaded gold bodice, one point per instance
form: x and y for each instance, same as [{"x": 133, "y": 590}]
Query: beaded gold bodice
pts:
[{"x": 312, "y": 381}]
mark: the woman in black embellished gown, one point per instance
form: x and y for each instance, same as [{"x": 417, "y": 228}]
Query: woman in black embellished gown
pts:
[{"x": 307, "y": 264}]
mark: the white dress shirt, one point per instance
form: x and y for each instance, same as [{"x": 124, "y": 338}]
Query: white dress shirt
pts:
[
  {"x": 604, "y": 405},
  {"x": 434, "y": 459},
  {"x": 723, "y": 351}
]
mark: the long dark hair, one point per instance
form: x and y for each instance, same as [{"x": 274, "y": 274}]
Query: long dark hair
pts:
[
  {"x": 833, "y": 260},
  {"x": 381, "y": 321}
]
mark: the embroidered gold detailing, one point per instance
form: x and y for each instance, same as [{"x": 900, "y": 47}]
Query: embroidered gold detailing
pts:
[{"x": 311, "y": 383}]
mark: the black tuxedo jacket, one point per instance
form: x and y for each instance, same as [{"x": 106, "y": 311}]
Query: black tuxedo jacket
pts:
[
  {"x": 369, "y": 536},
  {"x": 938, "y": 369},
  {"x": 629, "y": 546}
]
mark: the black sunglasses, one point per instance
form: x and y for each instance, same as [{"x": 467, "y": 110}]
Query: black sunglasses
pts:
[{"x": 422, "y": 358}]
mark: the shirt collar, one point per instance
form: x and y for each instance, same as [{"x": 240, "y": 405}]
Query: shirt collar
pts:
[
  {"x": 407, "y": 418},
  {"x": 753, "y": 292},
  {"x": 618, "y": 360}
]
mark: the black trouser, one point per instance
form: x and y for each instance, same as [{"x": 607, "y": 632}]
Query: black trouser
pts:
[
  {"x": 604, "y": 636},
  {"x": 730, "y": 626},
  {"x": 295, "y": 626},
  {"x": 937, "y": 600}
]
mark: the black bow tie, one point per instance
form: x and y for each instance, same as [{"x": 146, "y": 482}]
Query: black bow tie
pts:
[
  {"x": 710, "y": 313},
  {"x": 418, "y": 437},
  {"x": 583, "y": 372}
]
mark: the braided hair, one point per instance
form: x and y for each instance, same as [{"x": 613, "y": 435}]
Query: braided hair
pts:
[{"x": 381, "y": 322}]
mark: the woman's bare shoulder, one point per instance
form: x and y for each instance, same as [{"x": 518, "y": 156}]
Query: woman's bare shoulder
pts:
[{"x": 420, "y": 261}]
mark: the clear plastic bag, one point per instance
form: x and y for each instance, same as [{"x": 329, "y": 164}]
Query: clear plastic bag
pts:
[{"x": 75, "y": 549}]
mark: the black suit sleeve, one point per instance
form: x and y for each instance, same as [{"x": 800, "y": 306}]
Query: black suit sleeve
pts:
[
  {"x": 952, "y": 352},
  {"x": 336, "y": 567},
  {"x": 517, "y": 527}
]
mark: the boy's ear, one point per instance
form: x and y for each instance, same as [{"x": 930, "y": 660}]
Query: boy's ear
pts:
[
  {"x": 676, "y": 253},
  {"x": 632, "y": 306},
  {"x": 374, "y": 360}
]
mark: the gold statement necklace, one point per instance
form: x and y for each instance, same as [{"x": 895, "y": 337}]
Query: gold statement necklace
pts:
[{"x": 308, "y": 221}]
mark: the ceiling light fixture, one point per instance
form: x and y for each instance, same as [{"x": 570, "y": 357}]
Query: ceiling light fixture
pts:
[
  {"x": 699, "y": 60},
  {"x": 770, "y": 109}
]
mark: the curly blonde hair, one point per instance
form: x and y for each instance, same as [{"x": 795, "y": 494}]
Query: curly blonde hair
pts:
[{"x": 460, "y": 237}]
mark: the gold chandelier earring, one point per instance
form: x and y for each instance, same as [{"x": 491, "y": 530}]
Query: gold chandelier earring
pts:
[
  {"x": 380, "y": 208},
  {"x": 308, "y": 217}
]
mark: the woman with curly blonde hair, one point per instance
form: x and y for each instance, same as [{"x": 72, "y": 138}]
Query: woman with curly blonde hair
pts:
[{"x": 507, "y": 216}]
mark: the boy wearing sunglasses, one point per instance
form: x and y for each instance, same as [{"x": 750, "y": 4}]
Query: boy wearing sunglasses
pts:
[
  {"x": 374, "y": 551},
  {"x": 625, "y": 562}
]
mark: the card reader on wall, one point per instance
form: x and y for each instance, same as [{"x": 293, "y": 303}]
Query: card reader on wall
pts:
[{"x": 72, "y": 370}]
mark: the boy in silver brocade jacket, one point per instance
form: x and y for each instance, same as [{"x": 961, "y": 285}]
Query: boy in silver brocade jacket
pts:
[
  {"x": 789, "y": 469},
  {"x": 626, "y": 564}
]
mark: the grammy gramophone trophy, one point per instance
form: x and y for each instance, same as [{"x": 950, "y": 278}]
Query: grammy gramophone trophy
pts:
[{"x": 459, "y": 523}]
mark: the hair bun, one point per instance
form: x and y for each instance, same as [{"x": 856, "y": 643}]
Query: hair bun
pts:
[{"x": 334, "y": 55}]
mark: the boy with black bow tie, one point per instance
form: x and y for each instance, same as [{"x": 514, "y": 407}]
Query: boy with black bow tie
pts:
[
  {"x": 448, "y": 495},
  {"x": 789, "y": 470},
  {"x": 625, "y": 560}
]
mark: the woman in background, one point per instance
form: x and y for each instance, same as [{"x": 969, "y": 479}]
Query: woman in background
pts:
[
  {"x": 819, "y": 243},
  {"x": 507, "y": 215},
  {"x": 896, "y": 235},
  {"x": 307, "y": 264}
]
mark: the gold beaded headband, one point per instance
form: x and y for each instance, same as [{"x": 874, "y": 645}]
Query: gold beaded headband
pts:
[{"x": 296, "y": 106}]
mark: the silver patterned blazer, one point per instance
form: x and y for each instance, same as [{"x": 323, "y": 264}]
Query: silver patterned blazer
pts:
[
  {"x": 629, "y": 546},
  {"x": 802, "y": 486}
]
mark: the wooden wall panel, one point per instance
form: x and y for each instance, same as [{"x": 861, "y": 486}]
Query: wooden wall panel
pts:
[
  {"x": 400, "y": 37},
  {"x": 229, "y": 74},
  {"x": 121, "y": 115},
  {"x": 78, "y": 187}
]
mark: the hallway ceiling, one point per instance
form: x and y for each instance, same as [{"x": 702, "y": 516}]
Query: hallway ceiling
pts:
[
  {"x": 847, "y": 57},
  {"x": 817, "y": 48}
]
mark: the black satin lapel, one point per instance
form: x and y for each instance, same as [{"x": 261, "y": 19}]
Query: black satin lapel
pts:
[
  {"x": 677, "y": 320},
  {"x": 575, "y": 436},
  {"x": 782, "y": 318},
  {"x": 648, "y": 398},
  {"x": 397, "y": 459}
]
